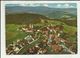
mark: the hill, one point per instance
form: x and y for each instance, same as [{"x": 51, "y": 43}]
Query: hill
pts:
[{"x": 24, "y": 18}]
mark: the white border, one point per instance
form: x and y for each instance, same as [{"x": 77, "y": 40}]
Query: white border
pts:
[{"x": 3, "y": 54}]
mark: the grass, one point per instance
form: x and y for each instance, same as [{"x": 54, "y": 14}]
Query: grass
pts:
[{"x": 12, "y": 34}]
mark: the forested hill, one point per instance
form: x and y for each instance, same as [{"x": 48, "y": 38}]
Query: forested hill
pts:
[{"x": 24, "y": 18}]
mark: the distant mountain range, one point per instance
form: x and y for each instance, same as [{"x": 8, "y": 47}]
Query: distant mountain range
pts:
[{"x": 46, "y": 11}]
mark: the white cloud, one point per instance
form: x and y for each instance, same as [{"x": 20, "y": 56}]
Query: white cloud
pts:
[
  {"x": 66, "y": 5},
  {"x": 63, "y": 5},
  {"x": 30, "y": 5},
  {"x": 72, "y": 6},
  {"x": 59, "y": 5},
  {"x": 34, "y": 4},
  {"x": 22, "y": 4},
  {"x": 45, "y": 5},
  {"x": 69, "y": 6}
]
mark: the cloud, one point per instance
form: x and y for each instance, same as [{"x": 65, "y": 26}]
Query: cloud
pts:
[
  {"x": 72, "y": 6},
  {"x": 62, "y": 5},
  {"x": 45, "y": 5},
  {"x": 65, "y": 5},
  {"x": 59, "y": 5},
  {"x": 68, "y": 6},
  {"x": 22, "y": 4},
  {"x": 33, "y": 4}
]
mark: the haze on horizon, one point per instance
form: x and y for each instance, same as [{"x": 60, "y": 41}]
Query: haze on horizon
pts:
[{"x": 50, "y": 5}]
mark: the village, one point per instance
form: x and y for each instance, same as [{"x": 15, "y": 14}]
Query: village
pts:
[{"x": 45, "y": 40}]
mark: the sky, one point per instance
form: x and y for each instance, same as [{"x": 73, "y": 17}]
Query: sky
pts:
[{"x": 51, "y": 5}]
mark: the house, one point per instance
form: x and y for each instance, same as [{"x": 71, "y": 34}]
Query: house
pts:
[{"x": 56, "y": 48}]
